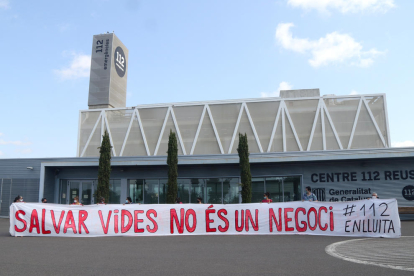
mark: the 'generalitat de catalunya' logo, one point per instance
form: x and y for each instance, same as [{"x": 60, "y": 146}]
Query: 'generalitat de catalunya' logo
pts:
[
  {"x": 408, "y": 192},
  {"x": 120, "y": 61}
]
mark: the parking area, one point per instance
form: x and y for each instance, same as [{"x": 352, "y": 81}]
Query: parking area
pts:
[{"x": 183, "y": 255}]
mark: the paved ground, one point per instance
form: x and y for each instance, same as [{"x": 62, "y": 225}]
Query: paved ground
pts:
[
  {"x": 185, "y": 255},
  {"x": 390, "y": 253}
]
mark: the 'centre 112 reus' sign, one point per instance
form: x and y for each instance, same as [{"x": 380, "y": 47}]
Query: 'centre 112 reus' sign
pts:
[{"x": 108, "y": 79}]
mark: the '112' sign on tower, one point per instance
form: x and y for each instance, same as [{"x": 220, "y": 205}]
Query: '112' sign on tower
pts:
[{"x": 109, "y": 70}]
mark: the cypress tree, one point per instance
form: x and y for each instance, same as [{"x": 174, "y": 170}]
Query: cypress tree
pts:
[
  {"x": 245, "y": 176},
  {"x": 172, "y": 161},
  {"x": 104, "y": 170}
]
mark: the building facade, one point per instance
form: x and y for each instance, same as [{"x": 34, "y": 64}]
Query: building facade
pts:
[
  {"x": 333, "y": 175},
  {"x": 338, "y": 145},
  {"x": 271, "y": 124}
]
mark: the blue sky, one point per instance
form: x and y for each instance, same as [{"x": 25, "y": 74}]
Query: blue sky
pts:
[{"x": 188, "y": 50}]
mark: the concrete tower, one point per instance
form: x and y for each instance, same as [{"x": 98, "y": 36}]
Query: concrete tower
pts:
[{"x": 109, "y": 71}]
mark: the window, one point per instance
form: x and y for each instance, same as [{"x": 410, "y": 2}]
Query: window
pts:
[
  {"x": 214, "y": 190},
  {"x": 281, "y": 189},
  {"x": 274, "y": 187},
  {"x": 211, "y": 190},
  {"x": 292, "y": 190},
  {"x": 231, "y": 192},
  {"x": 114, "y": 191},
  {"x": 184, "y": 190},
  {"x": 258, "y": 186},
  {"x": 136, "y": 190},
  {"x": 163, "y": 191},
  {"x": 151, "y": 191}
]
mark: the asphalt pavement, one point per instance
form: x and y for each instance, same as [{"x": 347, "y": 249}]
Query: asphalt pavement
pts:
[{"x": 179, "y": 255}]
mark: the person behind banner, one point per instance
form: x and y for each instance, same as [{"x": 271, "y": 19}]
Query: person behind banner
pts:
[
  {"x": 44, "y": 200},
  {"x": 308, "y": 195},
  {"x": 102, "y": 201},
  {"x": 18, "y": 199},
  {"x": 128, "y": 200},
  {"x": 266, "y": 198},
  {"x": 178, "y": 201},
  {"x": 374, "y": 196},
  {"x": 76, "y": 201},
  {"x": 199, "y": 200}
]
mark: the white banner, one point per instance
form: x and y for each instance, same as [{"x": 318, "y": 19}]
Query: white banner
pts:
[{"x": 365, "y": 218}]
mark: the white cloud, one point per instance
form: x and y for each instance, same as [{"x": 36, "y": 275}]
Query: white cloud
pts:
[
  {"x": 403, "y": 144},
  {"x": 4, "y": 4},
  {"x": 1, "y": 153},
  {"x": 282, "y": 86},
  {"x": 24, "y": 151},
  {"x": 344, "y": 6},
  {"x": 353, "y": 92},
  {"x": 78, "y": 68},
  {"x": 16, "y": 143},
  {"x": 333, "y": 48}
]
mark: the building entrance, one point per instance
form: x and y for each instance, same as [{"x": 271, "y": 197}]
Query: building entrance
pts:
[{"x": 84, "y": 189}]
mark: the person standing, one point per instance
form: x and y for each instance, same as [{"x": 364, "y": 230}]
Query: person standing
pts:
[
  {"x": 76, "y": 201},
  {"x": 44, "y": 200},
  {"x": 199, "y": 200},
  {"x": 18, "y": 198},
  {"x": 266, "y": 198},
  {"x": 308, "y": 195},
  {"x": 128, "y": 200}
]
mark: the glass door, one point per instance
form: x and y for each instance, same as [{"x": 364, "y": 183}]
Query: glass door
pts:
[
  {"x": 183, "y": 192},
  {"x": 83, "y": 189},
  {"x": 274, "y": 187},
  {"x": 197, "y": 190},
  {"x": 291, "y": 188},
  {"x": 213, "y": 191},
  {"x": 136, "y": 190},
  {"x": 73, "y": 191},
  {"x": 258, "y": 189},
  {"x": 151, "y": 191},
  {"x": 231, "y": 192},
  {"x": 87, "y": 194}
]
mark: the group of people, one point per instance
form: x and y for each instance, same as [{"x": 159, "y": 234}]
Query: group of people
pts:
[
  {"x": 77, "y": 202},
  {"x": 307, "y": 196},
  {"x": 19, "y": 198}
]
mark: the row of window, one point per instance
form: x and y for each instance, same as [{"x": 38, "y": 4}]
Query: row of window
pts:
[{"x": 211, "y": 190}]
